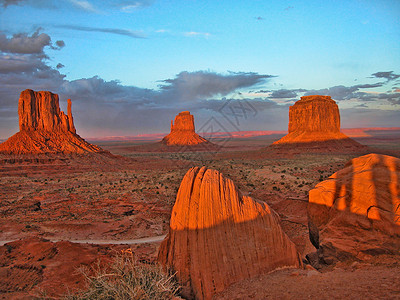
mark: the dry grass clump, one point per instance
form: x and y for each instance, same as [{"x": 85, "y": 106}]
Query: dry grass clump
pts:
[{"x": 126, "y": 278}]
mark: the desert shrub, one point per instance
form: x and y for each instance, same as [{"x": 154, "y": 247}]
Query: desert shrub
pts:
[{"x": 126, "y": 278}]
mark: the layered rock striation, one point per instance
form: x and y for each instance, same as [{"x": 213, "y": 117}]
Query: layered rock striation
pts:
[
  {"x": 218, "y": 236},
  {"x": 356, "y": 212},
  {"x": 314, "y": 122},
  {"x": 44, "y": 128},
  {"x": 183, "y": 132}
]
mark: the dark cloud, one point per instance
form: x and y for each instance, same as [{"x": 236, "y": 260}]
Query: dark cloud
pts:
[
  {"x": 60, "y": 44},
  {"x": 339, "y": 92},
  {"x": 6, "y": 3},
  {"x": 386, "y": 75},
  {"x": 283, "y": 93},
  {"x": 20, "y": 64},
  {"x": 188, "y": 86},
  {"x": 34, "y": 3},
  {"x": 24, "y": 44},
  {"x": 125, "y": 32},
  {"x": 83, "y": 5},
  {"x": 369, "y": 86},
  {"x": 393, "y": 98}
]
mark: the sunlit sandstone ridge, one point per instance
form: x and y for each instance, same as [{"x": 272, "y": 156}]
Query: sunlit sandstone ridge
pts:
[
  {"x": 44, "y": 128},
  {"x": 314, "y": 121},
  {"x": 356, "y": 211},
  {"x": 183, "y": 132},
  {"x": 218, "y": 236}
]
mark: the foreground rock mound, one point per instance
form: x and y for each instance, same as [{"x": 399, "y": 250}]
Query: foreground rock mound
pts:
[
  {"x": 356, "y": 212},
  {"x": 314, "y": 123},
  {"x": 183, "y": 132},
  {"x": 218, "y": 237},
  {"x": 44, "y": 128},
  {"x": 33, "y": 265}
]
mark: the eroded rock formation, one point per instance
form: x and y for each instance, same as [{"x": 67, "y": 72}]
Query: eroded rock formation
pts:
[
  {"x": 44, "y": 128},
  {"x": 314, "y": 122},
  {"x": 356, "y": 211},
  {"x": 218, "y": 237},
  {"x": 183, "y": 132}
]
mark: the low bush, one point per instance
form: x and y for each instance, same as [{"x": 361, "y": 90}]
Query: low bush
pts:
[{"x": 126, "y": 278}]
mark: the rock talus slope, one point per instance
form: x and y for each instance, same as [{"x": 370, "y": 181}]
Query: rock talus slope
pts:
[
  {"x": 183, "y": 131},
  {"x": 44, "y": 128},
  {"x": 356, "y": 212},
  {"x": 218, "y": 237}
]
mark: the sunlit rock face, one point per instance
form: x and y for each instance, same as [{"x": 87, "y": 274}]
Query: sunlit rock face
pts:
[
  {"x": 314, "y": 122},
  {"x": 183, "y": 131},
  {"x": 41, "y": 111},
  {"x": 44, "y": 128},
  {"x": 356, "y": 212},
  {"x": 218, "y": 236}
]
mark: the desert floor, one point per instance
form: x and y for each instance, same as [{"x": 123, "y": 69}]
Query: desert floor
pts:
[{"x": 57, "y": 213}]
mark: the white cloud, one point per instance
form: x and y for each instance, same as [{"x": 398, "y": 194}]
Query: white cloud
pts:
[{"x": 197, "y": 34}]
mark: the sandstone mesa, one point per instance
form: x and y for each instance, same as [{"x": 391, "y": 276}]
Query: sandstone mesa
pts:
[
  {"x": 218, "y": 237},
  {"x": 44, "y": 128},
  {"x": 314, "y": 122},
  {"x": 183, "y": 131}
]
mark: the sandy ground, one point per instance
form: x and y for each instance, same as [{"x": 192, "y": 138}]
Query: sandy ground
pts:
[{"x": 130, "y": 199}]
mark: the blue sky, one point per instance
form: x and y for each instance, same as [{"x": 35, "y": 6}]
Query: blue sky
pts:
[{"x": 131, "y": 66}]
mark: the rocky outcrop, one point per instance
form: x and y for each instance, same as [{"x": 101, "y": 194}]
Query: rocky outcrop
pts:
[
  {"x": 44, "y": 128},
  {"x": 314, "y": 123},
  {"x": 183, "y": 132},
  {"x": 314, "y": 114},
  {"x": 41, "y": 111},
  {"x": 356, "y": 212},
  {"x": 218, "y": 236}
]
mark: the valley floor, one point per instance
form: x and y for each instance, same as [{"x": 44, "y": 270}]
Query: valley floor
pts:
[{"x": 46, "y": 200}]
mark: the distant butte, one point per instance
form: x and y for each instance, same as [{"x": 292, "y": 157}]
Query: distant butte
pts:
[
  {"x": 44, "y": 128},
  {"x": 314, "y": 124},
  {"x": 183, "y": 132}
]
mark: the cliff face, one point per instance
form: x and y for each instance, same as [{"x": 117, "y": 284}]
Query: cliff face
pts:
[
  {"x": 314, "y": 125},
  {"x": 44, "y": 128},
  {"x": 183, "y": 131},
  {"x": 218, "y": 237},
  {"x": 41, "y": 111},
  {"x": 356, "y": 211},
  {"x": 314, "y": 114},
  {"x": 184, "y": 122}
]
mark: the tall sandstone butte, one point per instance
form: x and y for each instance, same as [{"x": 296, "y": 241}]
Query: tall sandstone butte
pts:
[
  {"x": 314, "y": 122},
  {"x": 44, "y": 128},
  {"x": 356, "y": 211},
  {"x": 218, "y": 237},
  {"x": 183, "y": 132}
]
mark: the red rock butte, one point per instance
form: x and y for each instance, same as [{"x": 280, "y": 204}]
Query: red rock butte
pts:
[
  {"x": 356, "y": 211},
  {"x": 183, "y": 132},
  {"x": 44, "y": 128},
  {"x": 315, "y": 121},
  {"x": 218, "y": 236}
]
